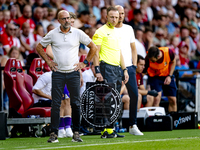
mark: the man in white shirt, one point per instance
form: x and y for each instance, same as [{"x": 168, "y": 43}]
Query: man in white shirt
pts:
[
  {"x": 88, "y": 76},
  {"x": 65, "y": 41},
  {"x": 129, "y": 53}
]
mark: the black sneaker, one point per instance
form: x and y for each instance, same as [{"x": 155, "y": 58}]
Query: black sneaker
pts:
[
  {"x": 76, "y": 137},
  {"x": 53, "y": 138},
  {"x": 119, "y": 136},
  {"x": 106, "y": 135}
]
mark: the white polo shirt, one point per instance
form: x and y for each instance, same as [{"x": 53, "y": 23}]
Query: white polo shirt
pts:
[
  {"x": 65, "y": 46},
  {"x": 44, "y": 84},
  {"x": 127, "y": 37}
]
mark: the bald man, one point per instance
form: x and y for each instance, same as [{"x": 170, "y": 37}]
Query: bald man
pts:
[
  {"x": 129, "y": 53},
  {"x": 65, "y": 68}
]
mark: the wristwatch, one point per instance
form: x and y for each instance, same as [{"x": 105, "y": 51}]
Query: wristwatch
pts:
[
  {"x": 125, "y": 69},
  {"x": 170, "y": 76},
  {"x": 86, "y": 62}
]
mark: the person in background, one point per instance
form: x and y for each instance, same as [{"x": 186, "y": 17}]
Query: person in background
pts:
[
  {"x": 160, "y": 64},
  {"x": 145, "y": 97},
  {"x": 129, "y": 52}
]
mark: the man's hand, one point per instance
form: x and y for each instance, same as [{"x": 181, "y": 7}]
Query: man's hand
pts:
[
  {"x": 167, "y": 80},
  {"x": 79, "y": 66},
  {"x": 126, "y": 76},
  {"x": 153, "y": 93},
  {"x": 52, "y": 65},
  {"x": 99, "y": 77}
]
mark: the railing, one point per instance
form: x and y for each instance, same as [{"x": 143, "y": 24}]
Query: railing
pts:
[{"x": 197, "y": 96}]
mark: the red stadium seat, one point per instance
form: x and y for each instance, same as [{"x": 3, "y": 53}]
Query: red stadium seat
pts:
[
  {"x": 19, "y": 89},
  {"x": 36, "y": 69},
  {"x": 46, "y": 67},
  {"x": 15, "y": 101},
  {"x": 28, "y": 100}
]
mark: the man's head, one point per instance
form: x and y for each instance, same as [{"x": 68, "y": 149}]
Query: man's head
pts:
[
  {"x": 112, "y": 16},
  {"x": 6, "y": 16},
  {"x": 184, "y": 31},
  {"x": 121, "y": 13},
  {"x": 64, "y": 19},
  {"x": 137, "y": 15},
  {"x": 27, "y": 12},
  {"x": 84, "y": 16},
  {"x": 50, "y": 27},
  {"x": 103, "y": 12},
  {"x": 25, "y": 29},
  {"x": 10, "y": 29},
  {"x": 153, "y": 54},
  {"x": 140, "y": 64},
  {"x": 72, "y": 18},
  {"x": 160, "y": 33},
  {"x": 38, "y": 13}
]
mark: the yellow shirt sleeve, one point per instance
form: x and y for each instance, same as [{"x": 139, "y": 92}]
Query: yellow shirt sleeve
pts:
[{"x": 97, "y": 37}]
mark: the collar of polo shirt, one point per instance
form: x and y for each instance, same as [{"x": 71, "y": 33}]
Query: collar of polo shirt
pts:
[{"x": 70, "y": 30}]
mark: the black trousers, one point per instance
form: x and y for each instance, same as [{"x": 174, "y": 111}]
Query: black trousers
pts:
[
  {"x": 133, "y": 94},
  {"x": 72, "y": 80},
  {"x": 113, "y": 75}
]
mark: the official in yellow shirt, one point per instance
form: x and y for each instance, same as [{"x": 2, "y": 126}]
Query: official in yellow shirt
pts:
[{"x": 108, "y": 58}]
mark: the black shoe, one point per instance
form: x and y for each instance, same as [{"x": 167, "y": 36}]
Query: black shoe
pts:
[
  {"x": 106, "y": 135},
  {"x": 53, "y": 138},
  {"x": 76, "y": 137},
  {"x": 119, "y": 136}
]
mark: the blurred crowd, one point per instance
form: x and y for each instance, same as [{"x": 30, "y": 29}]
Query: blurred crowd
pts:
[{"x": 171, "y": 23}]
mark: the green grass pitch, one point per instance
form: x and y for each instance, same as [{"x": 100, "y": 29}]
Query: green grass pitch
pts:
[{"x": 164, "y": 140}]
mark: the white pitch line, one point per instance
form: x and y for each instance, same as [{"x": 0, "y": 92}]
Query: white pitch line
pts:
[{"x": 158, "y": 140}]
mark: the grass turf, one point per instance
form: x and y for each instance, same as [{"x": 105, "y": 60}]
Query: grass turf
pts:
[{"x": 165, "y": 140}]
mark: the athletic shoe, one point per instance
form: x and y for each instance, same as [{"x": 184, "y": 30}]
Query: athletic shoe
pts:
[
  {"x": 68, "y": 132},
  {"x": 61, "y": 133},
  {"x": 53, "y": 138},
  {"x": 118, "y": 136},
  {"x": 106, "y": 135},
  {"x": 134, "y": 130},
  {"x": 76, "y": 137}
]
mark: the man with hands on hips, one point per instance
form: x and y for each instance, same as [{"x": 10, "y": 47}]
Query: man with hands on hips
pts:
[{"x": 65, "y": 42}]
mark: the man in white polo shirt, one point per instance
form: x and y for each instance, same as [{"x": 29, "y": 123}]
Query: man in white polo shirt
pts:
[
  {"x": 65, "y": 42},
  {"x": 129, "y": 53}
]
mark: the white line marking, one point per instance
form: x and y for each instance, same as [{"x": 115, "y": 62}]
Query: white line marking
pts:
[{"x": 157, "y": 140}]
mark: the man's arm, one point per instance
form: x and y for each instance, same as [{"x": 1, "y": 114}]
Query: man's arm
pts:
[
  {"x": 171, "y": 71},
  {"x": 40, "y": 93},
  {"x": 96, "y": 64},
  {"x": 42, "y": 53},
  {"x": 134, "y": 53},
  {"x": 143, "y": 91},
  {"x": 93, "y": 49},
  {"x": 122, "y": 64},
  {"x": 90, "y": 55}
]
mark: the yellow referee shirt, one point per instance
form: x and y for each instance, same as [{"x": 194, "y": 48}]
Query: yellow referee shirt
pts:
[{"x": 108, "y": 39}]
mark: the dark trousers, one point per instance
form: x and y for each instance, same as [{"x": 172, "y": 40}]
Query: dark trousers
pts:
[
  {"x": 72, "y": 80},
  {"x": 133, "y": 94},
  {"x": 43, "y": 103},
  {"x": 113, "y": 75}
]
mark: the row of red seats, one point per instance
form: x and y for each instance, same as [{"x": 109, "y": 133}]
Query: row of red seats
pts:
[{"x": 19, "y": 86}]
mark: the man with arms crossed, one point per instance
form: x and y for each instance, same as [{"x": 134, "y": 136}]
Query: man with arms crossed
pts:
[
  {"x": 130, "y": 57},
  {"x": 65, "y": 42},
  {"x": 110, "y": 57}
]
